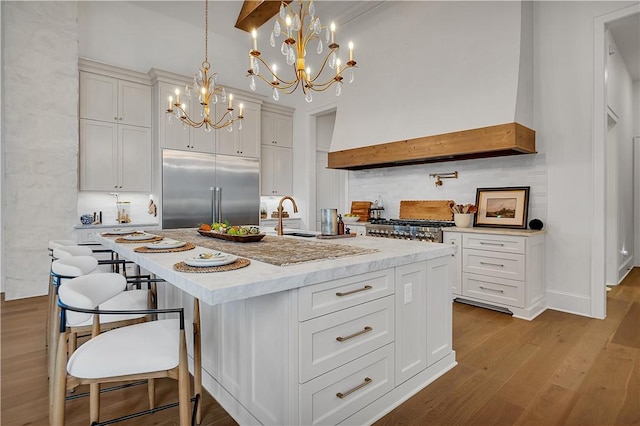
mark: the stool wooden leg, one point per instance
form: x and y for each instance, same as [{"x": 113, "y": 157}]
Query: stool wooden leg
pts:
[
  {"x": 94, "y": 402},
  {"x": 151, "y": 390},
  {"x": 59, "y": 379},
  {"x": 197, "y": 357}
]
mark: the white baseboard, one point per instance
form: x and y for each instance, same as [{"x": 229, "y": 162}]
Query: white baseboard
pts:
[{"x": 569, "y": 302}]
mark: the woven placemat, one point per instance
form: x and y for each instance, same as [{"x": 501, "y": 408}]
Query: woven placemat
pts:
[
  {"x": 144, "y": 249},
  {"x": 150, "y": 240},
  {"x": 240, "y": 263}
]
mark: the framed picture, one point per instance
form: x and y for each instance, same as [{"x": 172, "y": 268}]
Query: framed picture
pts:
[{"x": 502, "y": 207}]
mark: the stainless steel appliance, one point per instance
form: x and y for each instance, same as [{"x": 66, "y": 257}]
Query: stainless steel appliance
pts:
[
  {"x": 205, "y": 188},
  {"x": 421, "y": 230}
]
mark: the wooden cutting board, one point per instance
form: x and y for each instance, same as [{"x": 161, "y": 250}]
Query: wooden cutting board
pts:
[
  {"x": 426, "y": 209},
  {"x": 361, "y": 208}
]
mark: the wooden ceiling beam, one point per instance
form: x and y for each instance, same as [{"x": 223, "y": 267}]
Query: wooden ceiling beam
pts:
[{"x": 254, "y": 13}]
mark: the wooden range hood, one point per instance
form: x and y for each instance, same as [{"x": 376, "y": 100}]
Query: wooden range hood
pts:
[{"x": 492, "y": 141}]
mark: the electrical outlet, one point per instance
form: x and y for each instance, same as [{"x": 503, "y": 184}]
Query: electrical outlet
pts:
[{"x": 408, "y": 293}]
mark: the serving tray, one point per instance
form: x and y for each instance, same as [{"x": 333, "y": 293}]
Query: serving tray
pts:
[{"x": 236, "y": 238}]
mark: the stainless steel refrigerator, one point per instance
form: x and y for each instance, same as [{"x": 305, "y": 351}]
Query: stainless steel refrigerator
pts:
[{"x": 204, "y": 188}]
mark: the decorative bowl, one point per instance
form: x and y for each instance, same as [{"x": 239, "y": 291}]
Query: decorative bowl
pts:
[
  {"x": 350, "y": 219},
  {"x": 86, "y": 219}
]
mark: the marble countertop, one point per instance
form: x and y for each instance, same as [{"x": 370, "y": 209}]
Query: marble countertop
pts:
[
  {"x": 117, "y": 225},
  {"x": 262, "y": 278},
  {"x": 496, "y": 231}
]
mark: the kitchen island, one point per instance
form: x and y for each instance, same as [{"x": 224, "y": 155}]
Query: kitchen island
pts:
[{"x": 342, "y": 340}]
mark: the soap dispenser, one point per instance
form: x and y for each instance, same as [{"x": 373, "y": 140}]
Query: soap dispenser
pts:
[{"x": 340, "y": 225}]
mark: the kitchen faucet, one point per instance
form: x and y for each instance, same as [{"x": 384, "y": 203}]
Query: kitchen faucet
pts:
[{"x": 295, "y": 210}]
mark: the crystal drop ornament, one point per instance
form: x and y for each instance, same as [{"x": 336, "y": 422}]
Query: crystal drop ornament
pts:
[
  {"x": 308, "y": 97},
  {"x": 332, "y": 60},
  {"x": 256, "y": 67},
  {"x": 276, "y": 94},
  {"x": 352, "y": 76},
  {"x": 284, "y": 49},
  {"x": 317, "y": 27},
  {"x": 207, "y": 128},
  {"x": 272, "y": 40},
  {"x": 252, "y": 83},
  {"x": 282, "y": 11},
  {"x": 240, "y": 125},
  {"x": 296, "y": 23},
  {"x": 291, "y": 57},
  {"x": 320, "y": 46},
  {"x": 338, "y": 89},
  {"x": 312, "y": 9},
  {"x": 327, "y": 36},
  {"x": 277, "y": 29}
]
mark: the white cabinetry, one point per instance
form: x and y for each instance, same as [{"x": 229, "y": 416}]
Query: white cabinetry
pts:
[
  {"x": 115, "y": 129},
  {"x": 276, "y": 168},
  {"x": 110, "y": 99},
  {"x": 277, "y": 129},
  {"x": 243, "y": 142},
  {"x": 455, "y": 239},
  {"x": 173, "y": 133},
  {"x": 114, "y": 157},
  {"x": 342, "y": 350},
  {"x": 504, "y": 269},
  {"x": 291, "y": 223},
  {"x": 275, "y": 171}
]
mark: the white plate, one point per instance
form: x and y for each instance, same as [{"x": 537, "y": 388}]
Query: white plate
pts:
[
  {"x": 196, "y": 261},
  {"x": 166, "y": 244},
  {"x": 136, "y": 237},
  {"x": 120, "y": 231}
]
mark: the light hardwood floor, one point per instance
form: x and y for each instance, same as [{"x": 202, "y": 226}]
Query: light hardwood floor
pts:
[{"x": 558, "y": 369}]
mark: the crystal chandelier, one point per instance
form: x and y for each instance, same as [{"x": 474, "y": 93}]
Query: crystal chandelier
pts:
[
  {"x": 206, "y": 87},
  {"x": 300, "y": 29}
]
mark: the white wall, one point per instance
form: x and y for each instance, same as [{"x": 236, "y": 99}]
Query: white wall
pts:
[
  {"x": 563, "y": 112},
  {"x": 40, "y": 143}
]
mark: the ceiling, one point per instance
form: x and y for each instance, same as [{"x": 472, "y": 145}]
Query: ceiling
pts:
[
  {"x": 626, "y": 33},
  {"x": 224, "y": 13}
]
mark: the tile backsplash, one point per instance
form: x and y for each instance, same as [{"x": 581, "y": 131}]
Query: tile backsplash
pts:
[
  {"x": 89, "y": 202},
  {"x": 394, "y": 184}
]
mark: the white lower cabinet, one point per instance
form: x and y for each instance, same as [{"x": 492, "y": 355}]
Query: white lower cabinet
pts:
[
  {"x": 334, "y": 396},
  {"x": 501, "y": 268},
  {"x": 329, "y": 352}
]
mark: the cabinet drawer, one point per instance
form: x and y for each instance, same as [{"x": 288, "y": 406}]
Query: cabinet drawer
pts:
[
  {"x": 502, "y": 265},
  {"x": 501, "y": 243},
  {"x": 498, "y": 290},
  {"x": 333, "y": 340},
  {"x": 359, "y": 383},
  {"x": 324, "y": 298}
]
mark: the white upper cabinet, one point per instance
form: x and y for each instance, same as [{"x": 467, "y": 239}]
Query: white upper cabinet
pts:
[
  {"x": 277, "y": 129},
  {"x": 243, "y": 142},
  {"x": 113, "y": 100},
  {"x": 176, "y": 135},
  {"x": 115, "y": 129}
]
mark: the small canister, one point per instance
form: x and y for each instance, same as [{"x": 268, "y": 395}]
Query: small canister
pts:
[{"x": 329, "y": 221}]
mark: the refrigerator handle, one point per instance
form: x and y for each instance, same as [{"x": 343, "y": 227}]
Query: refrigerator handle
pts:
[{"x": 216, "y": 203}]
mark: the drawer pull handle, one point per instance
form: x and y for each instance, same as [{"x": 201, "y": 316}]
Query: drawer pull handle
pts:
[
  {"x": 346, "y": 293},
  {"x": 365, "y": 330},
  {"x": 492, "y": 289},
  {"x": 492, "y": 264},
  {"x": 492, "y": 244},
  {"x": 350, "y": 391}
]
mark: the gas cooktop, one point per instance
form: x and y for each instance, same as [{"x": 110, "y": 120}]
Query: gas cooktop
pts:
[{"x": 412, "y": 222}]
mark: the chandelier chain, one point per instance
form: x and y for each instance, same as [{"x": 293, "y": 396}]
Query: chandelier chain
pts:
[{"x": 206, "y": 31}]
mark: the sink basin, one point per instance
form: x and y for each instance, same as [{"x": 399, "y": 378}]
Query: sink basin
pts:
[{"x": 299, "y": 234}]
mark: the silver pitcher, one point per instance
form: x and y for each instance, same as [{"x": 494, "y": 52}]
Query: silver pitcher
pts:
[{"x": 329, "y": 221}]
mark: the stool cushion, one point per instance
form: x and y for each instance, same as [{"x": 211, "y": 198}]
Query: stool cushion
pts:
[
  {"x": 54, "y": 244},
  {"x": 135, "y": 349},
  {"x": 74, "y": 266},
  {"x": 70, "y": 251}
]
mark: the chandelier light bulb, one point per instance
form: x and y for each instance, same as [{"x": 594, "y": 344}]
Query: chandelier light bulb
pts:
[{"x": 333, "y": 31}]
